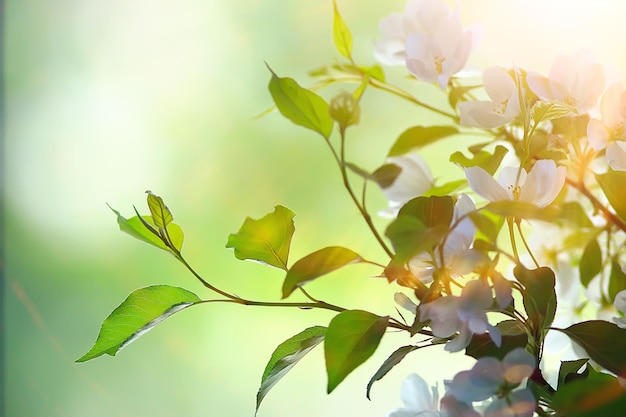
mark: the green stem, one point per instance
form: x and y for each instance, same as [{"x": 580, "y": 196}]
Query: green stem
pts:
[{"x": 530, "y": 252}]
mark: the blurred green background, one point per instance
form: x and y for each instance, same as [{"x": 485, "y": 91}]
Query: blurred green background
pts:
[{"x": 104, "y": 100}]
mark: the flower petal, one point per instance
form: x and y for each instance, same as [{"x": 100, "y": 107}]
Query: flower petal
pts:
[
  {"x": 484, "y": 185},
  {"x": 543, "y": 184}
]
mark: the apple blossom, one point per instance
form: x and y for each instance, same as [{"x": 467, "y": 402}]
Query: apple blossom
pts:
[
  {"x": 417, "y": 398},
  {"x": 613, "y": 116},
  {"x": 539, "y": 187},
  {"x": 616, "y": 155},
  {"x": 576, "y": 81},
  {"x": 464, "y": 314},
  {"x": 500, "y": 110},
  {"x": 414, "y": 180},
  {"x": 620, "y": 304}
]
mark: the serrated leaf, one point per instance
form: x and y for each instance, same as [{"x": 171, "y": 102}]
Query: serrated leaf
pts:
[
  {"x": 300, "y": 105},
  {"x": 140, "y": 312},
  {"x": 590, "y": 262},
  {"x": 267, "y": 239},
  {"x": 352, "y": 337},
  {"x": 612, "y": 184},
  {"x": 161, "y": 215},
  {"x": 539, "y": 295},
  {"x": 316, "y": 264},
  {"x": 341, "y": 34},
  {"x": 419, "y": 136},
  {"x": 568, "y": 368},
  {"x": 604, "y": 342},
  {"x": 617, "y": 280},
  {"x": 489, "y": 162},
  {"x": 394, "y": 359},
  {"x": 546, "y": 110},
  {"x": 285, "y": 357},
  {"x": 136, "y": 228}
]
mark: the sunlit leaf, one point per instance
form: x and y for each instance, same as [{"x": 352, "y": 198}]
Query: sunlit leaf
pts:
[
  {"x": 572, "y": 212},
  {"x": 285, "y": 357},
  {"x": 140, "y": 312},
  {"x": 266, "y": 240},
  {"x": 617, "y": 280},
  {"x": 539, "y": 294},
  {"x": 612, "y": 184},
  {"x": 445, "y": 189},
  {"x": 522, "y": 210},
  {"x": 547, "y": 110},
  {"x": 485, "y": 225},
  {"x": 419, "y": 136},
  {"x": 316, "y": 264},
  {"x": 394, "y": 359},
  {"x": 303, "y": 107},
  {"x": 352, "y": 337},
  {"x": 161, "y": 215},
  {"x": 409, "y": 236},
  {"x": 489, "y": 162},
  {"x": 590, "y": 262},
  {"x": 604, "y": 342},
  {"x": 458, "y": 92},
  {"x": 341, "y": 34},
  {"x": 432, "y": 211}
]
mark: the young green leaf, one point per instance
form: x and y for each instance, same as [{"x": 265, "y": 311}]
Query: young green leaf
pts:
[
  {"x": 547, "y": 110},
  {"x": 285, "y": 357},
  {"x": 604, "y": 342},
  {"x": 341, "y": 34},
  {"x": 489, "y": 162},
  {"x": 445, "y": 189},
  {"x": 316, "y": 264},
  {"x": 303, "y": 107},
  {"x": 137, "y": 229},
  {"x": 419, "y": 136},
  {"x": 161, "y": 215},
  {"x": 617, "y": 280},
  {"x": 352, "y": 337},
  {"x": 569, "y": 370},
  {"x": 522, "y": 210},
  {"x": 394, "y": 359},
  {"x": 432, "y": 211},
  {"x": 612, "y": 184},
  {"x": 409, "y": 236},
  {"x": 539, "y": 294},
  {"x": 265, "y": 240},
  {"x": 590, "y": 262},
  {"x": 140, "y": 312}
]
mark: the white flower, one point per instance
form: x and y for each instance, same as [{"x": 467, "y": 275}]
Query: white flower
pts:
[
  {"x": 417, "y": 398},
  {"x": 620, "y": 304},
  {"x": 428, "y": 37},
  {"x": 613, "y": 113},
  {"x": 539, "y": 187},
  {"x": 616, "y": 155},
  {"x": 465, "y": 315},
  {"x": 500, "y": 110},
  {"x": 490, "y": 376},
  {"x": 575, "y": 80},
  {"x": 413, "y": 181},
  {"x": 457, "y": 256}
]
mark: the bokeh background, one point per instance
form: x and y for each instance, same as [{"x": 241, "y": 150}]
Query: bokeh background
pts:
[{"x": 104, "y": 100}]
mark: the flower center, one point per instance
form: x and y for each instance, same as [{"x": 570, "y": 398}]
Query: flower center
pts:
[
  {"x": 618, "y": 131},
  {"x": 515, "y": 191},
  {"x": 570, "y": 100},
  {"x": 501, "y": 108},
  {"x": 439, "y": 64}
]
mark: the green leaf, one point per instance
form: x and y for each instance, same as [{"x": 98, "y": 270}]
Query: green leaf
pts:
[
  {"x": 161, "y": 215},
  {"x": 458, "y": 92},
  {"x": 486, "y": 225},
  {"x": 590, "y": 262},
  {"x": 612, "y": 184},
  {"x": 316, "y": 264},
  {"x": 598, "y": 395},
  {"x": 431, "y": 211},
  {"x": 573, "y": 212},
  {"x": 481, "y": 345},
  {"x": 303, "y": 107},
  {"x": 409, "y": 236},
  {"x": 140, "y": 312},
  {"x": 352, "y": 337},
  {"x": 445, "y": 189},
  {"x": 137, "y": 229},
  {"x": 489, "y": 162},
  {"x": 419, "y": 136},
  {"x": 546, "y": 110},
  {"x": 266, "y": 240},
  {"x": 394, "y": 359},
  {"x": 285, "y": 357},
  {"x": 617, "y": 280},
  {"x": 539, "y": 295},
  {"x": 341, "y": 34},
  {"x": 386, "y": 175},
  {"x": 604, "y": 342},
  {"x": 569, "y": 370},
  {"x": 522, "y": 210}
]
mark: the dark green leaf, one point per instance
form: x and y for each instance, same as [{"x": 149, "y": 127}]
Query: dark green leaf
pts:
[
  {"x": 316, "y": 264},
  {"x": 266, "y": 240},
  {"x": 394, "y": 359},
  {"x": 612, "y": 184},
  {"x": 409, "y": 236},
  {"x": 140, "y": 312},
  {"x": 604, "y": 342},
  {"x": 341, "y": 34},
  {"x": 352, "y": 337},
  {"x": 431, "y": 211},
  {"x": 569, "y": 370},
  {"x": 285, "y": 357},
  {"x": 539, "y": 294},
  {"x": 161, "y": 215},
  {"x": 590, "y": 262},
  {"x": 481, "y": 345},
  {"x": 522, "y": 210},
  {"x": 386, "y": 175},
  {"x": 419, "y": 136},
  {"x": 303, "y": 107},
  {"x": 489, "y": 162},
  {"x": 617, "y": 280}
]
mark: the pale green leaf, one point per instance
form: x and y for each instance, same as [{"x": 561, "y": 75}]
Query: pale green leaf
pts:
[
  {"x": 419, "y": 136},
  {"x": 161, "y": 215},
  {"x": 341, "y": 34}
]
